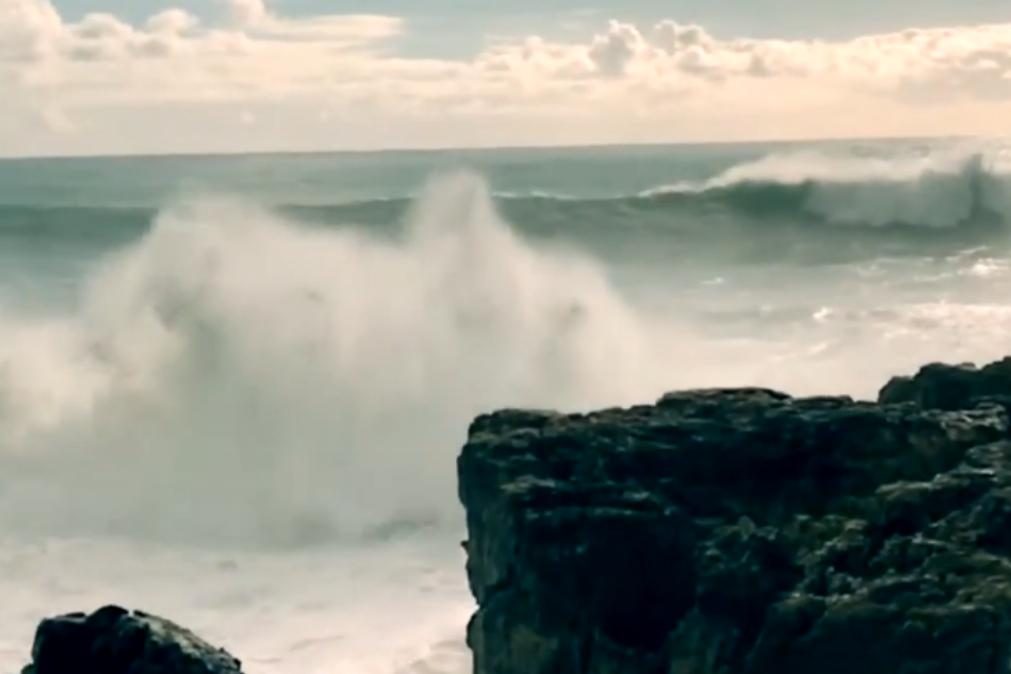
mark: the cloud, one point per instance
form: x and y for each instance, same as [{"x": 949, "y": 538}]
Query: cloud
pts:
[
  {"x": 626, "y": 82},
  {"x": 974, "y": 60},
  {"x": 27, "y": 29},
  {"x": 352, "y": 29},
  {"x": 613, "y": 51},
  {"x": 255, "y": 18},
  {"x": 247, "y": 12},
  {"x": 172, "y": 22},
  {"x": 56, "y": 120}
]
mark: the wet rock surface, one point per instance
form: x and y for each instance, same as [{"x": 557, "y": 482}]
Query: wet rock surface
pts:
[
  {"x": 113, "y": 640},
  {"x": 744, "y": 531}
]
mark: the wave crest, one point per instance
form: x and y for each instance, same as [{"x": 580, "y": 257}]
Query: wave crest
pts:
[{"x": 930, "y": 191}]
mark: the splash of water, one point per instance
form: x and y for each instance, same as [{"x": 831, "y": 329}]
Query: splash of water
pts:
[{"x": 235, "y": 375}]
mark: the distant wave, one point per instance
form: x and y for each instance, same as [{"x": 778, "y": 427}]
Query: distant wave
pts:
[
  {"x": 876, "y": 192},
  {"x": 941, "y": 197},
  {"x": 794, "y": 190}
]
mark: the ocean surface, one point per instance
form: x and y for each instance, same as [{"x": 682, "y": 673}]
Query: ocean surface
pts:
[{"x": 232, "y": 389}]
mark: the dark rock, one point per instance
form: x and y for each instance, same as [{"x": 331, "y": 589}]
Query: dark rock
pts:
[
  {"x": 950, "y": 387},
  {"x": 113, "y": 640},
  {"x": 743, "y": 531}
]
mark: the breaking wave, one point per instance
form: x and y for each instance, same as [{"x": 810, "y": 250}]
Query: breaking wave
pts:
[{"x": 928, "y": 191}]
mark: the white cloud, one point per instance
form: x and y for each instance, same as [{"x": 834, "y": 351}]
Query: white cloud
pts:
[
  {"x": 256, "y": 18},
  {"x": 661, "y": 82},
  {"x": 352, "y": 29},
  {"x": 613, "y": 51},
  {"x": 971, "y": 59},
  {"x": 27, "y": 29}
]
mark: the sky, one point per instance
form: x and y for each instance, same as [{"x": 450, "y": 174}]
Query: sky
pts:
[{"x": 130, "y": 76}]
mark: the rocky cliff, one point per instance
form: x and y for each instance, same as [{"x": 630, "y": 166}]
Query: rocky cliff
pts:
[{"x": 747, "y": 532}]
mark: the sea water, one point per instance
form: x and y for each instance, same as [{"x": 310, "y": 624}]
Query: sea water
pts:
[{"x": 232, "y": 389}]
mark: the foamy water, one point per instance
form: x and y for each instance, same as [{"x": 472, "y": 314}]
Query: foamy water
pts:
[{"x": 373, "y": 608}]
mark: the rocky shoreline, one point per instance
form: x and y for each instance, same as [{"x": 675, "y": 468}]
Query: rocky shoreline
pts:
[
  {"x": 745, "y": 531},
  {"x": 737, "y": 531}
]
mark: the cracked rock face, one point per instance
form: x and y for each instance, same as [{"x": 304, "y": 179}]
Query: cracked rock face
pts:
[
  {"x": 743, "y": 531},
  {"x": 113, "y": 640}
]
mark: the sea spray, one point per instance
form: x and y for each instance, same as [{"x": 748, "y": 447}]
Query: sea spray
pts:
[{"x": 235, "y": 375}]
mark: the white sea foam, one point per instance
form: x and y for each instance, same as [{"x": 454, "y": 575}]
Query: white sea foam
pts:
[
  {"x": 938, "y": 189},
  {"x": 397, "y": 607}
]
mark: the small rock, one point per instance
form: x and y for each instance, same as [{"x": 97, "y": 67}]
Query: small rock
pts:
[{"x": 112, "y": 640}]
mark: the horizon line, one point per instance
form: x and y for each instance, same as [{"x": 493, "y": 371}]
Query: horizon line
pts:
[{"x": 224, "y": 154}]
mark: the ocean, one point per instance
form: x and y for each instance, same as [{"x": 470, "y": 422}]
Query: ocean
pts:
[{"x": 232, "y": 389}]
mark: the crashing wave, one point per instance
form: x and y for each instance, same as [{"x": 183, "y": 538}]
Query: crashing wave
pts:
[{"x": 233, "y": 374}]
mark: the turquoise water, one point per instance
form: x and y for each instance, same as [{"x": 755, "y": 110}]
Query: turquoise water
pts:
[{"x": 341, "y": 178}]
